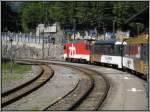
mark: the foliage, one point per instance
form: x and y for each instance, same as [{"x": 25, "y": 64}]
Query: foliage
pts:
[
  {"x": 79, "y": 15},
  {"x": 32, "y": 14},
  {"x": 121, "y": 10}
]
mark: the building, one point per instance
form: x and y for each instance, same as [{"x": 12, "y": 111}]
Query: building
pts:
[{"x": 48, "y": 30}]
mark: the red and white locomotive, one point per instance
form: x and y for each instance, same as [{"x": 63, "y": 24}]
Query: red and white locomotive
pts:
[{"x": 77, "y": 51}]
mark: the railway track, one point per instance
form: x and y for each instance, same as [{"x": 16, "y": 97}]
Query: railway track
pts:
[
  {"x": 20, "y": 91},
  {"x": 89, "y": 97},
  {"x": 74, "y": 97},
  {"x": 96, "y": 97}
]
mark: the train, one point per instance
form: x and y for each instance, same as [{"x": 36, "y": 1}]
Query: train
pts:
[
  {"x": 77, "y": 51},
  {"x": 130, "y": 54}
]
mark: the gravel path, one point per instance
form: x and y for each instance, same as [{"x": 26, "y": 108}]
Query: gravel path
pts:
[
  {"x": 26, "y": 77},
  {"x": 63, "y": 81}
]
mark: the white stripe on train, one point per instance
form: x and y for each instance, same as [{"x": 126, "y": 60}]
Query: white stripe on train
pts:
[
  {"x": 78, "y": 56},
  {"x": 112, "y": 60},
  {"x": 117, "y": 60}
]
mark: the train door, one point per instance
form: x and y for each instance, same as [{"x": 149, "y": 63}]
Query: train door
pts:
[
  {"x": 144, "y": 52},
  {"x": 144, "y": 57}
]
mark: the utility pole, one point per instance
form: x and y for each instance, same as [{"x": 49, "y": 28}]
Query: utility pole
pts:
[
  {"x": 104, "y": 33},
  {"x": 49, "y": 42},
  {"x": 28, "y": 38},
  {"x": 104, "y": 29},
  {"x": 11, "y": 65},
  {"x": 74, "y": 18},
  {"x": 114, "y": 29},
  {"x": 48, "y": 35},
  {"x": 43, "y": 34},
  {"x": 97, "y": 33},
  {"x": 74, "y": 26},
  {"x": 43, "y": 46}
]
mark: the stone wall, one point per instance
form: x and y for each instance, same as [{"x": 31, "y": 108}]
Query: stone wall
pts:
[{"x": 25, "y": 50}]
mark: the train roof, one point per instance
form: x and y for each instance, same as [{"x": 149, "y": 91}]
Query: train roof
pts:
[
  {"x": 141, "y": 39},
  {"x": 120, "y": 43},
  {"x": 103, "y": 42},
  {"x": 77, "y": 41}
]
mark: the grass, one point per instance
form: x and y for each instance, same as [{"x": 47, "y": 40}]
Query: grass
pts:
[{"x": 17, "y": 71}]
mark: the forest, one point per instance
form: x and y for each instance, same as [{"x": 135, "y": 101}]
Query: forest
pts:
[{"x": 76, "y": 15}]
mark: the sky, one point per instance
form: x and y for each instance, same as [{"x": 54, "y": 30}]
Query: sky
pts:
[{"x": 15, "y": 6}]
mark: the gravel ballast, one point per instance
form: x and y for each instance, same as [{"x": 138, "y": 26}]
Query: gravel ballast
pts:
[{"x": 63, "y": 81}]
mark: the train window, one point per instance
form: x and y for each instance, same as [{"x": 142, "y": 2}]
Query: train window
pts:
[
  {"x": 139, "y": 51},
  {"x": 131, "y": 50},
  {"x": 142, "y": 52},
  {"x": 134, "y": 50},
  {"x": 104, "y": 49},
  {"x": 146, "y": 52}
]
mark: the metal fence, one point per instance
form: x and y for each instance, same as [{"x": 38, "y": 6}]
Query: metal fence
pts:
[
  {"x": 21, "y": 37},
  {"x": 28, "y": 38}
]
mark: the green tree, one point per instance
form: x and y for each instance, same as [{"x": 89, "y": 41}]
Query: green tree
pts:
[
  {"x": 121, "y": 11},
  {"x": 80, "y": 15},
  {"x": 124, "y": 10},
  {"x": 31, "y": 15}
]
